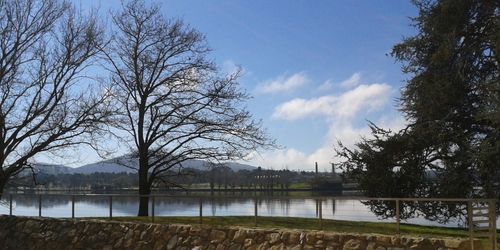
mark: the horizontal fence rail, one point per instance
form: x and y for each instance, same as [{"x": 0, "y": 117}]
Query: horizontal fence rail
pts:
[{"x": 481, "y": 213}]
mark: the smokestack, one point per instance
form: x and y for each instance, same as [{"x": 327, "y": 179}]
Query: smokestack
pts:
[{"x": 316, "y": 167}]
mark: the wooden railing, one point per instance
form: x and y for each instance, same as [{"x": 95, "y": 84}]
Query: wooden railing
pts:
[{"x": 481, "y": 213}]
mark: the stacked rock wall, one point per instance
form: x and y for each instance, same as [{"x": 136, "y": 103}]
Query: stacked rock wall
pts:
[{"x": 47, "y": 233}]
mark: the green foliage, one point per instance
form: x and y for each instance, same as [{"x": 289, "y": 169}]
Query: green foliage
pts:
[
  {"x": 450, "y": 148},
  {"x": 326, "y": 183},
  {"x": 221, "y": 178}
]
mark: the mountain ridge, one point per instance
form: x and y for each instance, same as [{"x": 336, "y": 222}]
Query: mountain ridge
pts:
[{"x": 119, "y": 165}]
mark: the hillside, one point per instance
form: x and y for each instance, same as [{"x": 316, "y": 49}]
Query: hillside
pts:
[
  {"x": 52, "y": 169},
  {"x": 123, "y": 164}
]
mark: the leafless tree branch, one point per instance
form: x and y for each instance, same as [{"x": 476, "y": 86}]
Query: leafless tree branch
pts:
[{"x": 175, "y": 103}]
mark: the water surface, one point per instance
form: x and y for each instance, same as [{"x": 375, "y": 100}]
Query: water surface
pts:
[{"x": 60, "y": 206}]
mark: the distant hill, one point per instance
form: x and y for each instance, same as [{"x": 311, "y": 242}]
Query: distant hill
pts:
[
  {"x": 52, "y": 169},
  {"x": 240, "y": 166},
  {"x": 115, "y": 165},
  {"x": 118, "y": 165}
]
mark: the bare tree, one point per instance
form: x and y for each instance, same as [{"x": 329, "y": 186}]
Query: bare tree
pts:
[
  {"x": 44, "y": 49},
  {"x": 176, "y": 104}
]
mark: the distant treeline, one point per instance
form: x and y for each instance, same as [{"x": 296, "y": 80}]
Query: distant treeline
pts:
[{"x": 221, "y": 178}]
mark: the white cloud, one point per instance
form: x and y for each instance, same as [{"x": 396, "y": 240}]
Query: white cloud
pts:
[
  {"x": 278, "y": 159},
  {"x": 352, "y": 81},
  {"x": 347, "y": 105},
  {"x": 342, "y": 112},
  {"x": 283, "y": 83},
  {"x": 300, "y": 108},
  {"x": 325, "y": 154},
  {"x": 327, "y": 85},
  {"x": 230, "y": 67}
]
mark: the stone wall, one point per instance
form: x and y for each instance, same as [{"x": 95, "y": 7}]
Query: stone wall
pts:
[{"x": 48, "y": 233}]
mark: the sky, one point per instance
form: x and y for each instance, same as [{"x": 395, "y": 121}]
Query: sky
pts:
[{"x": 318, "y": 71}]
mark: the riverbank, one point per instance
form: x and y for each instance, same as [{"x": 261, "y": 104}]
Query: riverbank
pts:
[
  {"x": 197, "y": 187},
  {"x": 326, "y": 225},
  {"x": 305, "y": 223},
  {"x": 49, "y": 233}
]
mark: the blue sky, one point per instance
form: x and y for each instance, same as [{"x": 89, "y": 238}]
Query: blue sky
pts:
[{"x": 317, "y": 70}]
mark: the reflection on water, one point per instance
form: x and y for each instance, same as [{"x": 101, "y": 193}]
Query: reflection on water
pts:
[{"x": 98, "y": 206}]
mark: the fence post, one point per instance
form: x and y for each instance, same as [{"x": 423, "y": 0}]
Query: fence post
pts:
[
  {"x": 398, "y": 217},
  {"x": 40, "y": 205},
  {"x": 320, "y": 205},
  {"x": 316, "y": 206},
  {"x": 201, "y": 211},
  {"x": 10, "y": 204},
  {"x": 471, "y": 226},
  {"x": 111, "y": 207},
  {"x": 255, "y": 207},
  {"x": 73, "y": 206},
  {"x": 153, "y": 208},
  {"x": 493, "y": 225}
]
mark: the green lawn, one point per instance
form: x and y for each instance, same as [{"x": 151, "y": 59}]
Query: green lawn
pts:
[
  {"x": 306, "y": 223},
  {"x": 301, "y": 185}
]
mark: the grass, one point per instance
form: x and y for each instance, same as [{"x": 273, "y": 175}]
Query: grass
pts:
[
  {"x": 308, "y": 224},
  {"x": 300, "y": 185}
]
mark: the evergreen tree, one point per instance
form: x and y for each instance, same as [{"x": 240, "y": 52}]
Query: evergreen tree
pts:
[{"x": 450, "y": 147}]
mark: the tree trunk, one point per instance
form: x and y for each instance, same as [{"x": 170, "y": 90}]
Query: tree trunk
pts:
[
  {"x": 144, "y": 192},
  {"x": 3, "y": 182},
  {"x": 144, "y": 187}
]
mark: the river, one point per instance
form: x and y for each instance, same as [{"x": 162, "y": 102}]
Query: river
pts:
[{"x": 289, "y": 206}]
